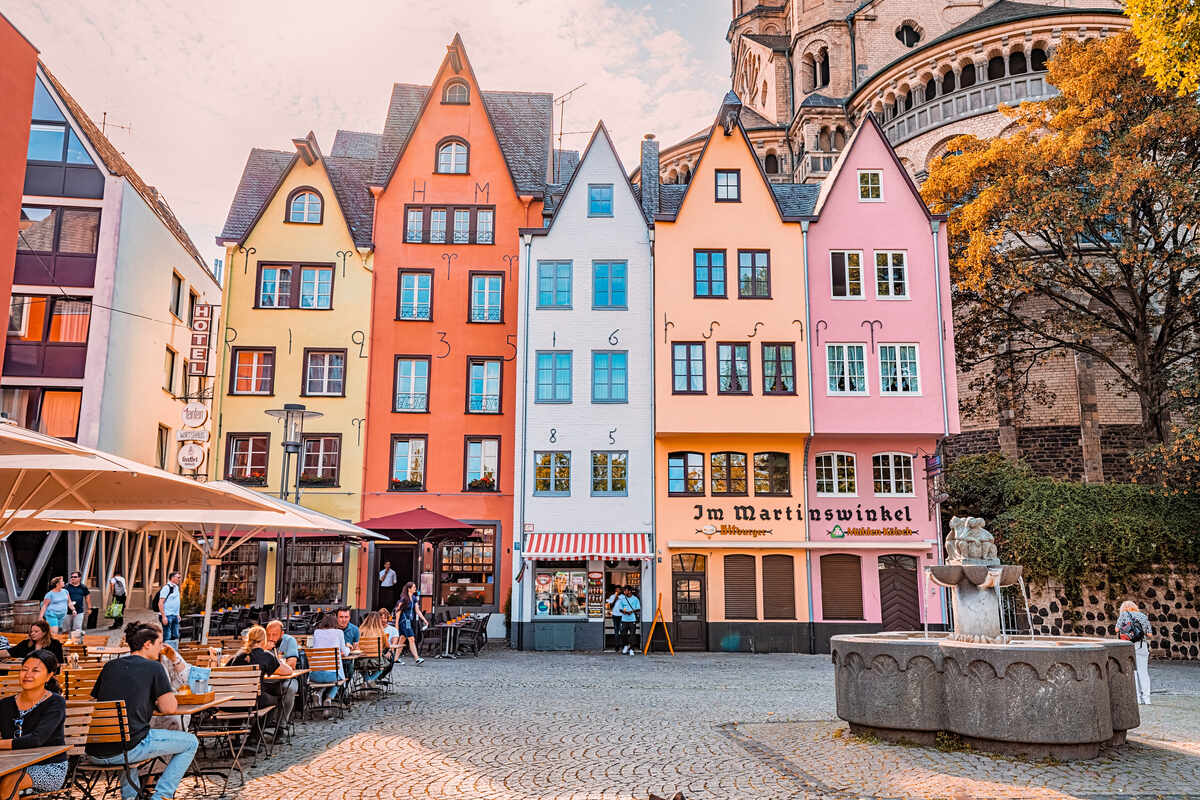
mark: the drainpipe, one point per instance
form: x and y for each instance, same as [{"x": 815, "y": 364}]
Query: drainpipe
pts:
[
  {"x": 934, "y": 227},
  {"x": 853, "y": 54},
  {"x": 653, "y": 447},
  {"x": 812, "y": 625},
  {"x": 519, "y": 601}
]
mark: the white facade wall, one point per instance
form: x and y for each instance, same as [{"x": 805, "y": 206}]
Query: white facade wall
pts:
[{"x": 582, "y": 426}]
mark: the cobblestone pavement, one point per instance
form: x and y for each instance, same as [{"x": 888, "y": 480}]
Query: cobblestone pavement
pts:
[{"x": 525, "y": 726}]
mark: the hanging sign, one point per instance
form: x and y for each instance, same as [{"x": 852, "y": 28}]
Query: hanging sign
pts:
[
  {"x": 201, "y": 333},
  {"x": 191, "y": 456},
  {"x": 194, "y": 414},
  {"x": 186, "y": 435}
]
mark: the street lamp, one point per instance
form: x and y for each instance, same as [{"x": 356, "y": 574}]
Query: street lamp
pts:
[{"x": 293, "y": 416}]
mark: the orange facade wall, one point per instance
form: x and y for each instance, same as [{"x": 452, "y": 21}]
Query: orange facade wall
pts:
[
  {"x": 449, "y": 339},
  {"x": 18, "y": 66}
]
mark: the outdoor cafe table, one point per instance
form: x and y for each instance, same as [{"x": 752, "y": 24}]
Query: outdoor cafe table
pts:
[
  {"x": 20, "y": 760},
  {"x": 450, "y": 639},
  {"x": 107, "y": 653},
  {"x": 187, "y": 710},
  {"x": 296, "y": 673}
]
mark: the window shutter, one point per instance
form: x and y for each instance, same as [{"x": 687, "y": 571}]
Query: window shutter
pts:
[
  {"x": 841, "y": 586},
  {"x": 779, "y": 587},
  {"x": 741, "y": 592}
]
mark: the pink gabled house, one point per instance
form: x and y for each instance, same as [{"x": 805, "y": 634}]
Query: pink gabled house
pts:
[{"x": 883, "y": 392}]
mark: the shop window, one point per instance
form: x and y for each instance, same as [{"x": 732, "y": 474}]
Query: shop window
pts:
[
  {"x": 891, "y": 275},
  {"x": 779, "y": 367},
  {"x": 733, "y": 368},
  {"x": 754, "y": 274},
  {"x": 685, "y": 474},
  {"x": 481, "y": 466},
  {"x": 467, "y": 570},
  {"x": 779, "y": 587},
  {"x": 727, "y": 474},
  {"x": 846, "y": 274},
  {"x": 553, "y": 376},
  {"x": 772, "y": 474},
  {"x": 687, "y": 368},
  {"x": 687, "y": 562},
  {"x": 600, "y": 200},
  {"x": 899, "y": 370},
  {"x": 836, "y": 475},
  {"x": 708, "y": 275},
  {"x": 610, "y": 376},
  {"x": 415, "y": 300},
  {"x": 552, "y": 473},
  {"x": 841, "y": 587},
  {"x": 610, "y": 473},
  {"x": 246, "y": 460},
  {"x": 325, "y": 373},
  {"x": 845, "y": 366},
  {"x": 237, "y": 576},
  {"x": 253, "y": 371},
  {"x": 728, "y": 185},
  {"x": 741, "y": 587},
  {"x": 870, "y": 186},
  {"x": 554, "y": 284},
  {"x": 408, "y": 464},
  {"x": 322, "y": 459},
  {"x": 411, "y": 384},
  {"x": 487, "y": 298},
  {"x": 315, "y": 572},
  {"x": 608, "y": 284},
  {"x": 483, "y": 385},
  {"x": 893, "y": 474},
  {"x": 560, "y": 591},
  {"x": 456, "y": 93},
  {"x": 452, "y": 157}
]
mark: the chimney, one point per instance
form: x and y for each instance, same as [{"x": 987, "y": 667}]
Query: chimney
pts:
[{"x": 650, "y": 177}]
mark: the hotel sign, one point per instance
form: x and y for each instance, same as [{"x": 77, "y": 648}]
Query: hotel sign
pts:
[{"x": 201, "y": 336}]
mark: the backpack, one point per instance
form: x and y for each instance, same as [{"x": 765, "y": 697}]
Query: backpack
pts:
[{"x": 1133, "y": 630}]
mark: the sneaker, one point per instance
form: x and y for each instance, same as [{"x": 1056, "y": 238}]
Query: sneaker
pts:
[
  {"x": 624, "y": 649},
  {"x": 419, "y": 661},
  {"x": 630, "y": 652}
]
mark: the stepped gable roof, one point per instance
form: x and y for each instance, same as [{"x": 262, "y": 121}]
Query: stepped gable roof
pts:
[
  {"x": 263, "y": 171},
  {"x": 818, "y": 100},
  {"x": 565, "y": 162},
  {"x": 356, "y": 144},
  {"x": 522, "y": 121},
  {"x": 777, "y": 43},
  {"x": 116, "y": 164}
]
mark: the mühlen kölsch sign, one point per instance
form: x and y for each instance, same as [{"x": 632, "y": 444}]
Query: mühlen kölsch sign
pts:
[{"x": 749, "y": 513}]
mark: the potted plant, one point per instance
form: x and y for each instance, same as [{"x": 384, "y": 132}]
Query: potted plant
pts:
[{"x": 483, "y": 484}]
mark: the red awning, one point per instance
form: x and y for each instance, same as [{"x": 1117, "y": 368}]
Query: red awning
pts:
[
  {"x": 546, "y": 546},
  {"x": 417, "y": 519}
]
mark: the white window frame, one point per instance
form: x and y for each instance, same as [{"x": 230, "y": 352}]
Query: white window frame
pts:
[
  {"x": 315, "y": 273},
  {"x": 487, "y": 381},
  {"x": 456, "y": 156},
  {"x": 279, "y": 299},
  {"x": 310, "y": 202},
  {"x": 493, "y": 299},
  {"x": 866, "y": 390},
  {"x": 917, "y": 358},
  {"x": 835, "y": 466},
  {"x": 859, "y": 185},
  {"x": 412, "y": 379},
  {"x": 891, "y": 476},
  {"x": 862, "y": 283},
  {"x": 257, "y": 368},
  {"x": 417, "y": 445},
  {"x": 485, "y": 233},
  {"x": 889, "y": 278},
  {"x": 324, "y": 456},
  {"x": 437, "y": 234},
  {"x": 415, "y": 235},
  {"x": 324, "y": 380},
  {"x": 414, "y": 292}
]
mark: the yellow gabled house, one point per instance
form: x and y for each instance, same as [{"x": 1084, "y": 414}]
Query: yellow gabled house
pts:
[{"x": 296, "y": 328}]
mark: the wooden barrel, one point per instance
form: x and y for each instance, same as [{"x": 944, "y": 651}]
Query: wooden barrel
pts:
[
  {"x": 25, "y": 613},
  {"x": 6, "y": 617}
]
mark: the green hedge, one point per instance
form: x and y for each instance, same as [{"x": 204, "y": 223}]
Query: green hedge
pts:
[{"x": 1074, "y": 532}]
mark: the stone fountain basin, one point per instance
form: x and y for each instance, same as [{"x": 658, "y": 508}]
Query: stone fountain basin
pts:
[
  {"x": 1065, "y": 697},
  {"x": 975, "y": 574}
]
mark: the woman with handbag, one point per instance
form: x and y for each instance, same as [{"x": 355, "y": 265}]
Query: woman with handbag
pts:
[
  {"x": 407, "y": 613},
  {"x": 116, "y": 607}
]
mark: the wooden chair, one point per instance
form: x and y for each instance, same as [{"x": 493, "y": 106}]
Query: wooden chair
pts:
[
  {"x": 75, "y": 733},
  {"x": 10, "y": 683},
  {"x": 95, "y": 640},
  {"x": 373, "y": 648},
  {"x": 108, "y": 725},
  {"x": 472, "y": 636},
  {"x": 78, "y": 683},
  {"x": 236, "y": 720},
  {"x": 323, "y": 659}
]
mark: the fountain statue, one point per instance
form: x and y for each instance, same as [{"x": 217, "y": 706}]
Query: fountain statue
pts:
[{"x": 1033, "y": 696}]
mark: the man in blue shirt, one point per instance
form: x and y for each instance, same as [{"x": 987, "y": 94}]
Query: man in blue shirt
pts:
[
  {"x": 348, "y": 628},
  {"x": 626, "y": 609},
  {"x": 168, "y": 609}
]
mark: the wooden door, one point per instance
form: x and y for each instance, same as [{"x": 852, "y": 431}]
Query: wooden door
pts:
[
  {"x": 898, "y": 599},
  {"x": 689, "y": 602}
]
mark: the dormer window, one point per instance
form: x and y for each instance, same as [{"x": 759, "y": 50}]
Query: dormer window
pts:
[
  {"x": 456, "y": 93},
  {"x": 870, "y": 186},
  {"x": 452, "y": 157},
  {"x": 305, "y": 206}
]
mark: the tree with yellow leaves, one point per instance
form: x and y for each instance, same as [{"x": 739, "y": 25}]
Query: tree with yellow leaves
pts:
[
  {"x": 1168, "y": 42},
  {"x": 1076, "y": 234}
]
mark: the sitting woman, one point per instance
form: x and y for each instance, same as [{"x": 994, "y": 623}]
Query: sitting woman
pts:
[
  {"x": 39, "y": 639},
  {"x": 329, "y": 634},
  {"x": 375, "y": 627},
  {"x": 34, "y": 718},
  {"x": 257, "y": 650}
]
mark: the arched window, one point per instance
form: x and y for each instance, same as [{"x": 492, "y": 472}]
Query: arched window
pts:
[
  {"x": 1016, "y": 63},
  {"x": 1037, "y": 60},
  {"x": 452, "y": 157},
  {"x": 908, "y": 100},
  {"x": 839, "y": 140},
  {"x": 908, "y": 35},
  {"x": 995, "y": 69},
  {"x": 771, "y": 164},
  {"x": 304, "y": 205},
  {"x": 823, "y": 68},
  {"x": 930, "y": 89},
  {"x": 967, "y": 76},
  {"x": 823, "y": 142},
  {"x": 809, "y": 73},
  {"x": 948, "y": 85},
  {"x": 685, "y": 174},
  {"x": 456, "y": 93}
]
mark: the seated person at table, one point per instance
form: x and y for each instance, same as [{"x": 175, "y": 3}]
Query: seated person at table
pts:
[
  {"x": 140, "y": 680},
  {"x": 284, "y": 647},
  {"x": 34, "y": 718},
  {"x": 373, "y": 628},
  {"x": 256, "y": 650},
  {"x": 177, "y": 674},
  {"x": 329, "y": 634},
  {"x": 39, "y": 639},
  {"x": 349, "y": 629}
]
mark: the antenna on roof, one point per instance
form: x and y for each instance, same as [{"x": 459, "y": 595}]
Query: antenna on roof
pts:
[
  {"x": 561, "y": 102},
  {"x": 104, "y": 125}
]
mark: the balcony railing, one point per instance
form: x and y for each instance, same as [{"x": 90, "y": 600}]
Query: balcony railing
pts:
[
  {"x": 816, "y": 165},
  {"x": 978, "y": 99}
]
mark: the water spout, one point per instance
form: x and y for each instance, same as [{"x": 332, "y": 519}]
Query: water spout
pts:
[{"x": 1025, "y": 599}]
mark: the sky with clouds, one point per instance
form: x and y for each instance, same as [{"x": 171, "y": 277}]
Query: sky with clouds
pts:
[{"x": 195, "y": 85}]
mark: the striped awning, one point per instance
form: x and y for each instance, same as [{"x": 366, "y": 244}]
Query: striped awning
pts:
[{"x": 546, "y": 546}]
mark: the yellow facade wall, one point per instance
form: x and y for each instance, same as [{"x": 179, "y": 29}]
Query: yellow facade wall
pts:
[{"x": 344, "y": 326}]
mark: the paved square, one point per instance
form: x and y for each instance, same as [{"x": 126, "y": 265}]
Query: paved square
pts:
[{"x": 549, "y": 726}]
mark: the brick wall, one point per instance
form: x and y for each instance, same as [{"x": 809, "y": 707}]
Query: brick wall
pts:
[
  {"x": 1116, "y": 443},
  {"x": 1170, "y": 597},
  {"x": 1052, "y": 450},
  {"x": 972, "y": 443}
]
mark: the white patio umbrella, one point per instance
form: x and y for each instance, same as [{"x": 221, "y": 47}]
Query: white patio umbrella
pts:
[{"x": 218, "y": 532}]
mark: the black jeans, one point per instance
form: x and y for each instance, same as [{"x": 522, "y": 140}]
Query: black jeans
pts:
[{"x": 629, "y": 634}]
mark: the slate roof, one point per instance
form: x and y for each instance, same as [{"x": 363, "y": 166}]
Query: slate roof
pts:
[
  {"x": 670, "y": 197},
  {"x": 349, "y": 177},
  {"x": 796, "y": 199},
  {"x": 117, "y": 165},
  {"x": 356, "y": 144},
  {"x": 260, "y": 176},
  {"x": 522, "y": 121},
  {"x": 565, "y": 162},
  {"x": 818, "y": 100},
  {"x": 777, "y": 43},
  {"x": 553, "y": 196}
]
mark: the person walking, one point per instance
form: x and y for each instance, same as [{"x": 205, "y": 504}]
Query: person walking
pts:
[
  {"x": 168, "y": 609},
  {"x": 117, "y": 582},
  {"x": 57, "y": 605},
  {"x": 627, "y": 607},
  {"x": 81, "y": 598},
  {"x": 387, "y": 585},
  {"x": 407, "y": 613},
  {"x": 140, "y": 680},
  {"x": 1133, "y": 626}
]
